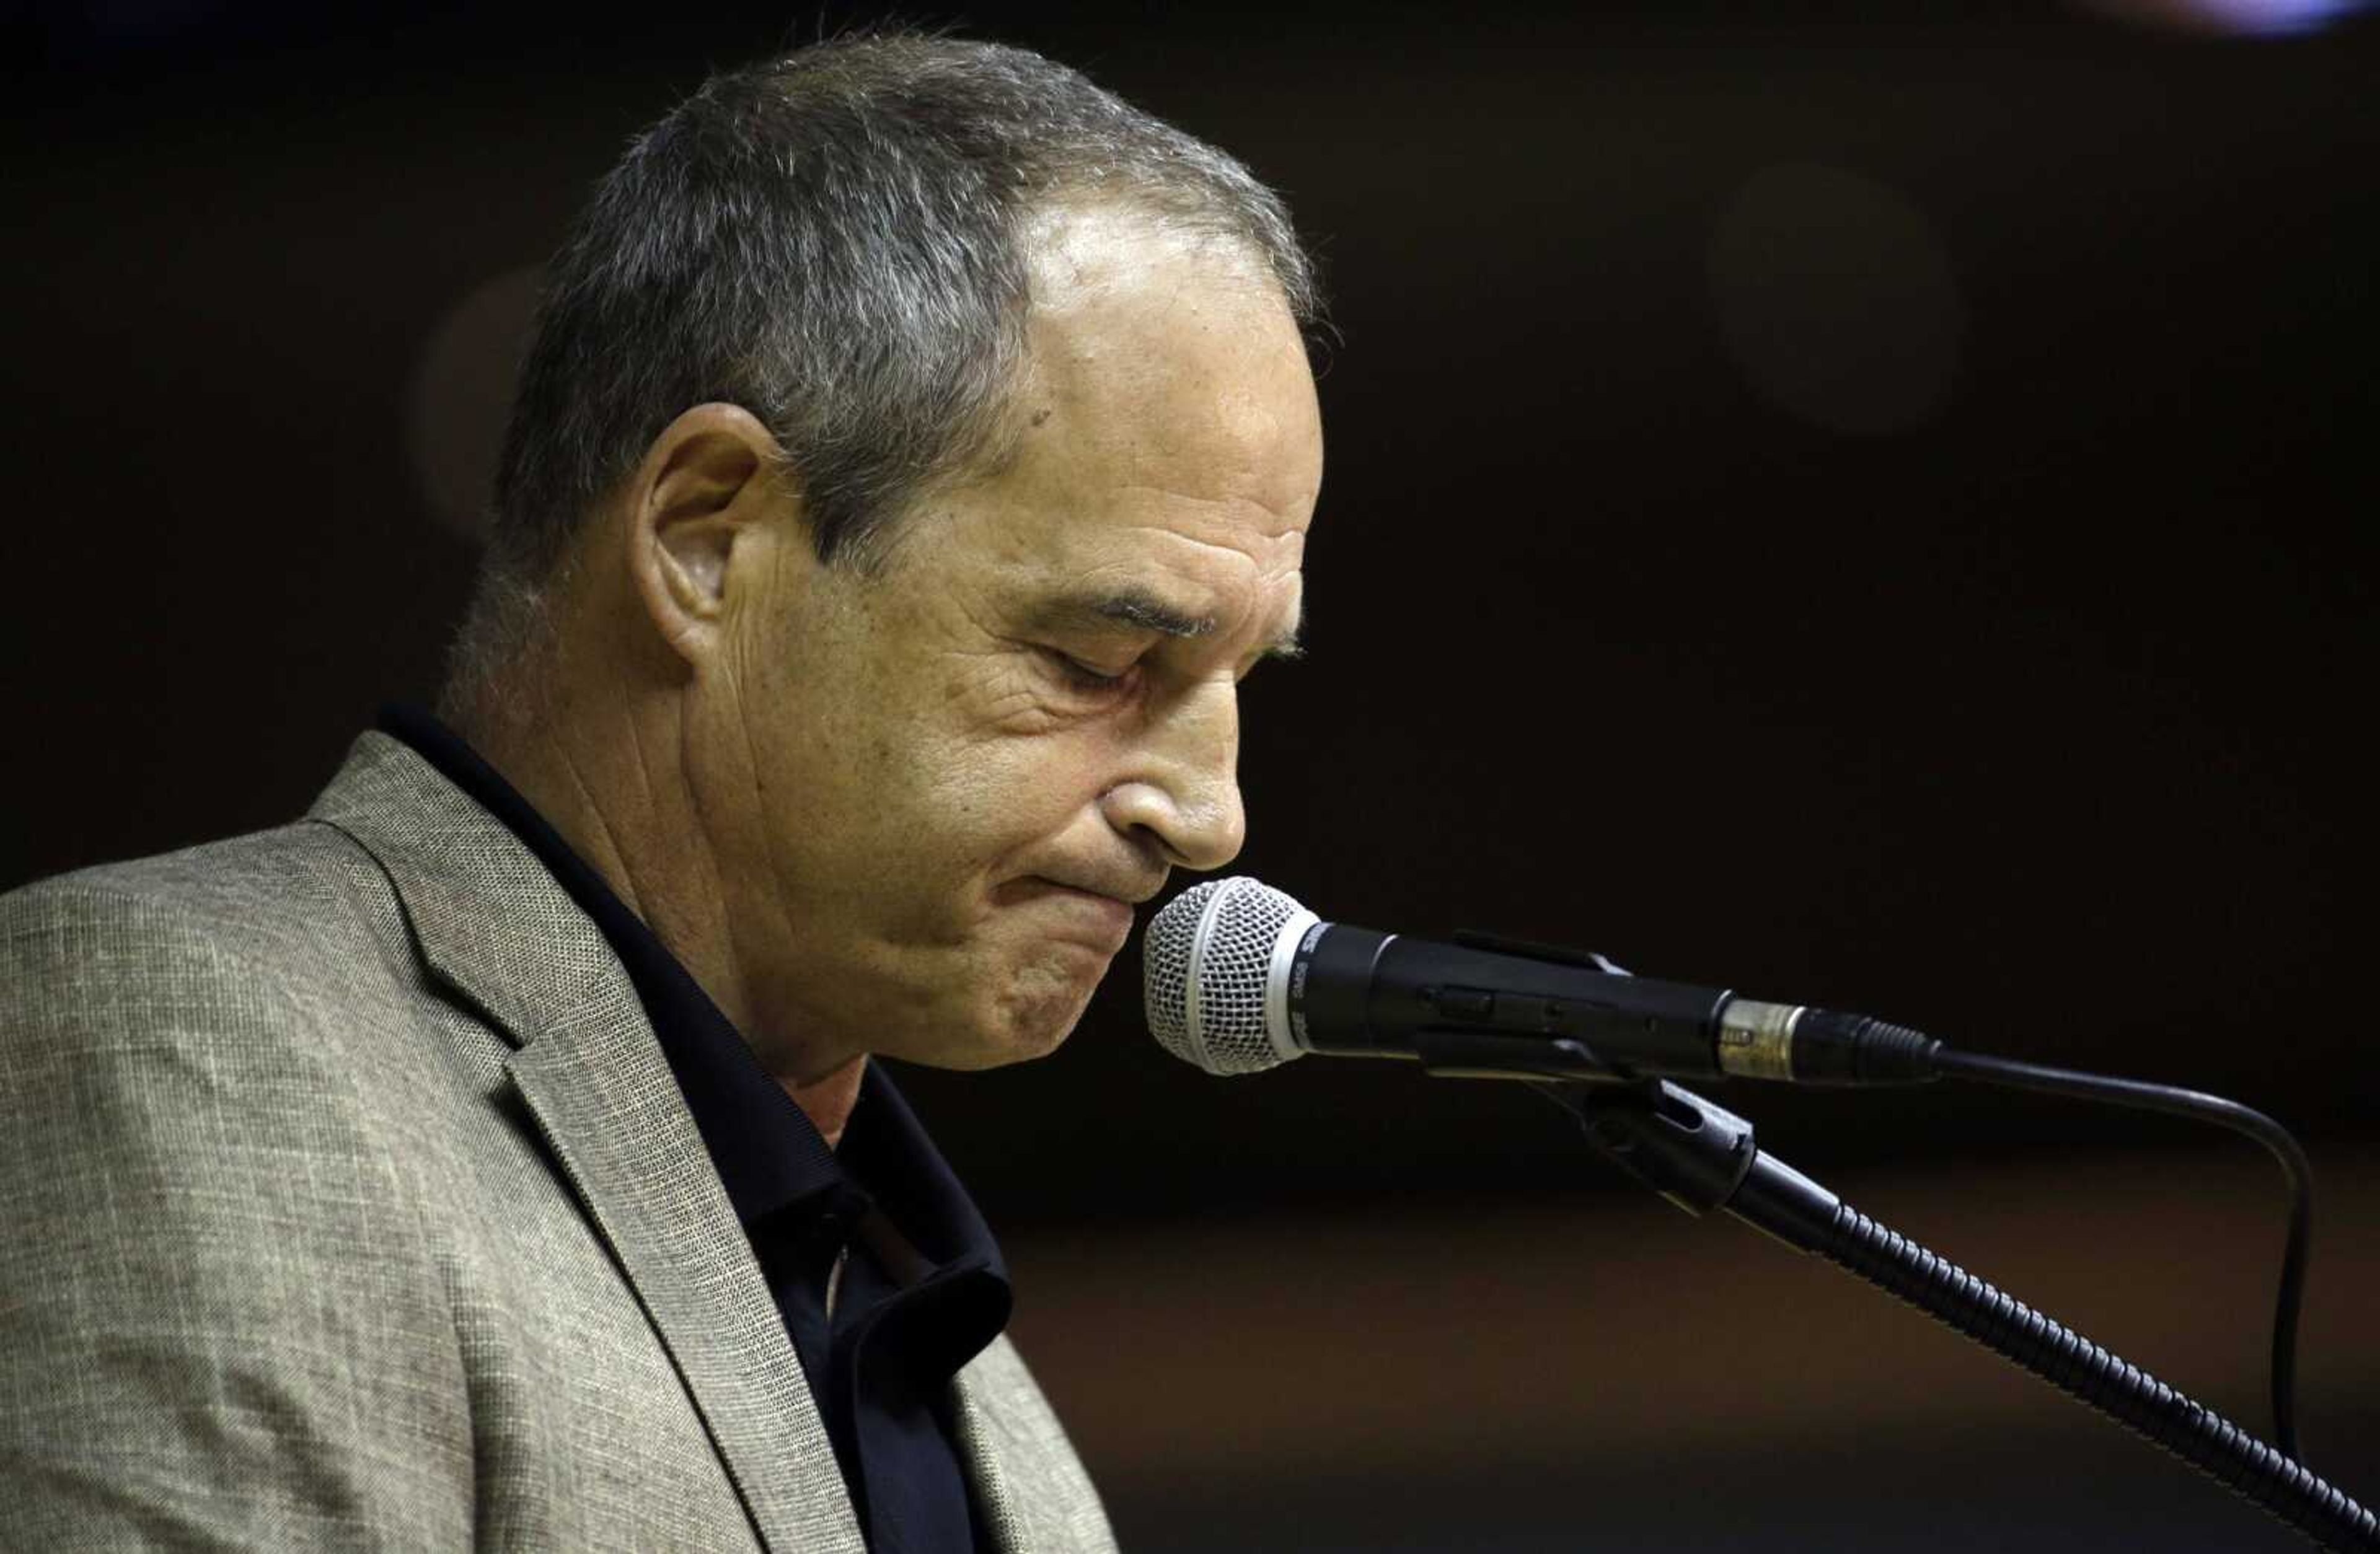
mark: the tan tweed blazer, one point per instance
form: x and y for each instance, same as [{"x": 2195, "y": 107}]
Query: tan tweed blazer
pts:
[{"x": 348, "y": 1203}]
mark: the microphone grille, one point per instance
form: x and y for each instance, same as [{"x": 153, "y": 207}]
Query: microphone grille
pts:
[
  {"x": 1205, "y": 965},
  {"x": 1165, "y": 967}
]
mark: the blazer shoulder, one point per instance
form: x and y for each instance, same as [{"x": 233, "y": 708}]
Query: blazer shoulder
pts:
[
  {"x": 268, "y": 872},
  {"x": 281, "y": 908},
  {"x": 223, "y": 1298},
  {"x": 283, "y": 953}
]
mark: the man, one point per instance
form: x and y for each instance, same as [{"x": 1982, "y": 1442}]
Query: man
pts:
[{"x": 916, "y": 448}]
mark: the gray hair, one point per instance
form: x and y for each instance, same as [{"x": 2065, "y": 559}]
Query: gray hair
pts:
[{"x": 832, "y": 241}]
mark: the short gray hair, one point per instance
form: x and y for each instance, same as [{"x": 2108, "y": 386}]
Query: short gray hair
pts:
[{"x": 830, "y": 239}]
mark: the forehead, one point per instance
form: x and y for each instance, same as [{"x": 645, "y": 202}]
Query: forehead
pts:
[{"x": 1165, "y": 421}]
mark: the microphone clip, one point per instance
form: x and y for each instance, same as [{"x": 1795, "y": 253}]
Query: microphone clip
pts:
[{"x": 1693, "y": 1152}]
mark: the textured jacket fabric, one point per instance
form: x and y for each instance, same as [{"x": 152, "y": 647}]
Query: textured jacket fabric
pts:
[{"x": 346, "y": 1201}]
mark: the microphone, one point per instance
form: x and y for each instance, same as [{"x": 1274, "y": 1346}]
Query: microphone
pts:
[{"x": 1239, "y": 978}]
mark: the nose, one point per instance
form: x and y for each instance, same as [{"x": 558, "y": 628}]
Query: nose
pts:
[{"x": 1182, "y": 788}]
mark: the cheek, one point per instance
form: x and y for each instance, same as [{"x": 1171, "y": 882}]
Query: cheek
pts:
[
  {"x": 1008, "y": 793},
  {"x": 929, "y": 829},
  {"x": 1002, "y": 762},
  {"x": 940, "y": 789}
]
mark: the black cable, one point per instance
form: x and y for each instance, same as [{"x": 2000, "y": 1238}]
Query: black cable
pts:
[{"x": 2245, "y": 1120}]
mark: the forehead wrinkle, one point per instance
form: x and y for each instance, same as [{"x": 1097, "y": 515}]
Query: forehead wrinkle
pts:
[
  {"x": 1291, "y": 518},
  {"x": 1226, "y": 558}
]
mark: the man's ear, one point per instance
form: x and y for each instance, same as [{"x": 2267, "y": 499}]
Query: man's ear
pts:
[{"x": 709, "y": 484}]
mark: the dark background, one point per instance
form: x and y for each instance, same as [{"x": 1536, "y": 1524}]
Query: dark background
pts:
[{"x": 1871, "y": 508}]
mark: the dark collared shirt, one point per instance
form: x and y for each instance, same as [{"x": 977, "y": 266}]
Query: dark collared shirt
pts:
[{"x": 921, "y": 1289}]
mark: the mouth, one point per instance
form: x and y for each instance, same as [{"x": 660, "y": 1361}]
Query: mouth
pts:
[{"x": 1090, "y": 918}]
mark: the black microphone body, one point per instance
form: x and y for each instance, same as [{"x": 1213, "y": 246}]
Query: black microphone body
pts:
[
  {"x": 1240, "y": 976},
  {"x": 1358, "y": 993},
  {"x": 1355, "y": 993}
]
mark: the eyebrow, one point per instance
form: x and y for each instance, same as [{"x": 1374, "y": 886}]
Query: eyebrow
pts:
[{"x": 1139, "y": 610}]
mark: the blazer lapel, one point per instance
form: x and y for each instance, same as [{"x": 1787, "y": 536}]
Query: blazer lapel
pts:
[
  {"x": 494, "y": 926},
  {"x": 1031, "y": 1489},
  {"x": 995, "y": 1497},
  {"x": 622, "y": 1136}
]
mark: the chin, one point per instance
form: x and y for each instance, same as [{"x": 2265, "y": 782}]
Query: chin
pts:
[
  {"x": 1030, "y": 1033},
  {"x": 1013, "y": 1015},
  {"x": 997, "y": 1045},
  {"x": 1032, "y": 1019}
]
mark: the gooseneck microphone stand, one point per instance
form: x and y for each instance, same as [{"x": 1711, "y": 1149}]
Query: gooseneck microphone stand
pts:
[{"x": 1702, "y": 1156}]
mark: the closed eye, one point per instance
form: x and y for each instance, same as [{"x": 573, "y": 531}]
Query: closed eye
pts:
[{"x": 1086, "y": 677}]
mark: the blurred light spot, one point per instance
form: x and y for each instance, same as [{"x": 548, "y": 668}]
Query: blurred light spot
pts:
[
  {"x": 2265, "y": 17},
  {"x": 462, "y": 391},
  {"x": 1837, "y": 299}
]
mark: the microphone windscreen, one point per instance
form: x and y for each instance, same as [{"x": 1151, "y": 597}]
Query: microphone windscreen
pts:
[{"x": 1207, "y": 965}]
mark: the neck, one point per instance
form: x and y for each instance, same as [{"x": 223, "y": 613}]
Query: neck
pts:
[
  {"x": 600, "y": 770},
  {"x": 827, "y": 1102}
]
